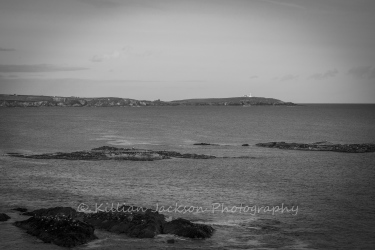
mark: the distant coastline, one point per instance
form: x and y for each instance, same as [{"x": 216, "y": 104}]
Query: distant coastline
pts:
[{"x": 59, "y": 101}]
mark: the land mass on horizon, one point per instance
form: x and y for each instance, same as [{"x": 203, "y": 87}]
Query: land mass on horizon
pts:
[{"x": 73, "y": 101}]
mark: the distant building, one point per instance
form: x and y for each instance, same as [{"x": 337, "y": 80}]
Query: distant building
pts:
[{"x": 249, "y": 95}]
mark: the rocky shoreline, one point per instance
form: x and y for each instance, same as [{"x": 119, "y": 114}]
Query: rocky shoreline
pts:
[
  {"x": 4, "y": 217},
  {"x": 133, "y": 154},
  {"x": 60, "y": 230},
  {"x": 66, "y": 227},
  {"x": 114, "y": 153},
  {"x": 321, "y": 146}
]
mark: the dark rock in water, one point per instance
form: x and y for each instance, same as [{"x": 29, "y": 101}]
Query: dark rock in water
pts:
[
  {"x": 205, "y": 144},
  {"x": 4, "y": 217},
  {"x": 244, "y": 157},
  {"x": 66, "y": 211},
  {"x": 113, "y": 153},
  {"x": 171, "y": 241},
  {"x": 321, "y": 146},
  {"x": 20, "y": 209},
  {"x": 59, "y": 229},
  {"x": 173, "y": 154},
  {"x": 185, "y": 228},
  {"x": 245, "y": 145},
  {"x": 145, "y": 223},
  {"x": 64, "y": 226},
  {"x": 130, "y": 220}
]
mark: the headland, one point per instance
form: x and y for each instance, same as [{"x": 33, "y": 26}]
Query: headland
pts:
[{"x": 73, "y": 101}]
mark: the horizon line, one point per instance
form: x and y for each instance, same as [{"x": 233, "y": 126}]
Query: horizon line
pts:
[{"x": 337, "y": 103}]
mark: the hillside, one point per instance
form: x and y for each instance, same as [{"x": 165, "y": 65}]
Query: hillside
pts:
[
  {"x": 232, "y": 101},
  {"x": 50, "y": 101}
]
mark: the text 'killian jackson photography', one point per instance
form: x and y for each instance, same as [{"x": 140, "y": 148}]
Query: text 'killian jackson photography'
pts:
[{"x": 183, "y": 209}]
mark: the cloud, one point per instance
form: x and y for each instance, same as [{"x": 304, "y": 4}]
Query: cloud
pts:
[
  {"x": 253, "y": 77},
  {"x": 96, "y": 58},
  {"x": 288, "y": 78},
  {"x": 100, "y": 3},
  {"x": 284, "y": 4},
  {"x": 372, "y": 74},
  {"x": 8, "y": 76},
  {"x": 362, "y": 72},
  {"x": 4, "y": 49},
  {"x": 325, "y": 75},
  {"x": 37, "y": 68},
  {"x": 100, "y": 58},
  {"x": 126, "y": 50}
]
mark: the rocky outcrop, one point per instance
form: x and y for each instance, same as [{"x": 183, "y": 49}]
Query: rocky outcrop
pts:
[
  {"x": 173, "y": 154},
  {"x": 58, "y": 229},
  {"x": 205, "y": 144},
  {"x": 145, "y": 223},
  {"x": 185, "y": 228},
  {"x": 54, "y": 211},
  {"x": 114, "y": 153},
  {"x": 4, "y": 217},
  {"x": 66, "y": 227},
  {"x": 321, "y": 146},
  {"x": 20, "y": 209},
  {"x": 130, "y": 220}
]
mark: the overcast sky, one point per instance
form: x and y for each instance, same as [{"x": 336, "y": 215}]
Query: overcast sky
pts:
[{"x": 312, "y": 51}]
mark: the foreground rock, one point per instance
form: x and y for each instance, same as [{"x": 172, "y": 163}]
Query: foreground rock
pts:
[
  {"x": 66, "y": 227},
  {"x": 185, "y": 228},
  {"x": 114, "y": 153},
  {"x": 321, "y": 146},
  {"x": 132, "y": 221},
  {"x": 59, "y": 229},
  {"x": 20, "y": 209},
  {"x": 54, "y": 211},
  {"x": 146, "y": 223},
  {"x": 4, "y": 217}
]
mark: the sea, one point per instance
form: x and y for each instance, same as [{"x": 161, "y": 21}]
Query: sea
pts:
[{"x": 254, "y": 197}]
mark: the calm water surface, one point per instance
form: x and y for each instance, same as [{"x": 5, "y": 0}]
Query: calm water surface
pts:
[{"x": 333, "y": 191}]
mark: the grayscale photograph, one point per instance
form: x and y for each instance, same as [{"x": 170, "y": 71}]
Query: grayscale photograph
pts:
[{"x": 187, "y": 124}]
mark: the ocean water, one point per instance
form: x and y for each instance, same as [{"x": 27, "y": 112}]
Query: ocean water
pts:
[{"x": 329, "y": 195}]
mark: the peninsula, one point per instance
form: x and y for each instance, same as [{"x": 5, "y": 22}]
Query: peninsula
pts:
[{"x": 73, "y": 101}]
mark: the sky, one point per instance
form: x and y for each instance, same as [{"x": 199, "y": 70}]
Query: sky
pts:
[{"x": 303, "y": 51}]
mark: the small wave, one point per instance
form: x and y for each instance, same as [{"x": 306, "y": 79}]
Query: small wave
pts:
[
  {"x": 300, "y": 245},
  {"x": 128, "y": 142},
  {"x": 170, "y": 236},
  {"x": 95, "y": 244},
  {"x": 148, "y": 143},
  {"x": 9, "y": 158},
  {"x": 228, "y": 223},
  {"x": 121, "y": 143}
]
